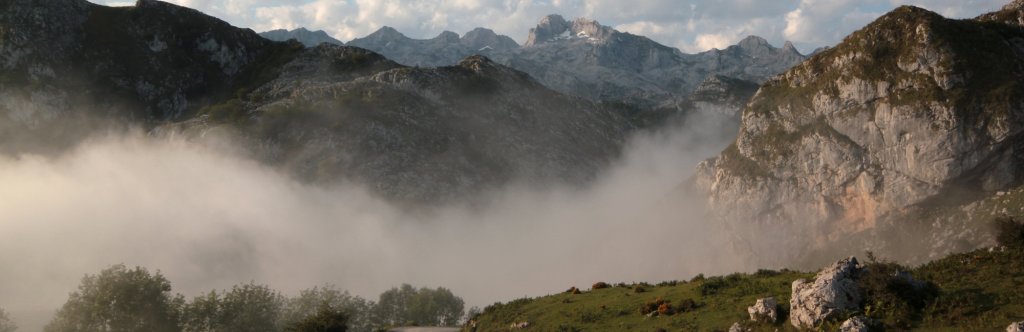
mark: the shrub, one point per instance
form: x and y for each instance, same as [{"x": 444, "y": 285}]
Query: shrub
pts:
[
  {"x": 326, "y": 319},
  {"x": 1009, "y": 232},
  {"x": 712, "y": 285},
  {"x": 652, "y": 306},
  {"x": 572, "y": 290},
  {"x": 666, "y": 309},
  {"x": 891, "y": 295},
  {"x": 600, "y": 285},
  {"x": 686, "y": 305},
  {"x": 639, "y": 289}
]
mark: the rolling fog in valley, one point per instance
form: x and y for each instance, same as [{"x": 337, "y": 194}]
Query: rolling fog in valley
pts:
[{"x": 208, "y": 218}]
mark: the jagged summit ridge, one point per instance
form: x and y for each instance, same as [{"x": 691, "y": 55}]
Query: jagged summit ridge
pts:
[
  {"x": 1012, "y": 13},
  {"x": 554, "y": 27},
  {"x": 302, "y": 35}
]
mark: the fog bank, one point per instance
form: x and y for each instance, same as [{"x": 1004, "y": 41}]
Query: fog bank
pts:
[{"x": 208, "y": 218}]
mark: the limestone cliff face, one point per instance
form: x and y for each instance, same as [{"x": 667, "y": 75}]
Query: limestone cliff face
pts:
[{"x": 903, "y": 112}]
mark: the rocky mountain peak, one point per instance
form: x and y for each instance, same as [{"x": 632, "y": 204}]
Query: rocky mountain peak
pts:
[
  {"x": 591, "y": 30},
  {"x": 788, "y": 47},
  {"x": 902, "y": 112},
  {"x": 305, "y": 36},
  {"x": 386, "y": 33},
  {"x": 1012, "y": 13},
  {"x": 554, "y": 27},
  {"x": 477, "y": 63},
  {"x": 448, "y": 37},
  {"x": 754, "y": 44},
  {"x": 481, "y": 39},
  {"x": 549, "y": 27}
]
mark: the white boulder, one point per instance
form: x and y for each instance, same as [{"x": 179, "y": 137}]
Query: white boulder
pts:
[
  {"x": 833, "y": 292},
  {"x": 765, "y": 310}
]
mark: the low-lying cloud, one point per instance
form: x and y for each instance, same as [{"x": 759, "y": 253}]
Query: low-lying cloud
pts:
[{"x": 209, "y": 218}]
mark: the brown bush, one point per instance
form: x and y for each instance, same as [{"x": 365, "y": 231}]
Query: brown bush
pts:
[
  {"x": 572, "y": 290},
  {"x": 600, "y": 285},
  {"x": 639, "y": 289},
  {"x": 652, "y": 306},
  {"x": 666, "y": 309}
]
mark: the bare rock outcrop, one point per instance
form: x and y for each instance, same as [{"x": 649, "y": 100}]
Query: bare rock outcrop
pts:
[
  {"x": 856, "y": 324},
  {"x": 765, "y": 310},
  {"x": 833, "y": 292},
  {"x": 901, "y": 113},
  {"x": 1016, "y": 327}
]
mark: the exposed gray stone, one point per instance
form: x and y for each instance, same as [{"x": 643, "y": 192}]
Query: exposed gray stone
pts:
[
  {"x": 765, "y": 310},
  {"x": 832, "y": 293},
  {"x": 856, "y": 324},
  {"x": 1016, "y": 327}
]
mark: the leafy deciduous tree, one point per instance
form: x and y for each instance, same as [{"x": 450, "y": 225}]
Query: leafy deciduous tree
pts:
[
  {"x": 312, "y": 301},
  {"x": 5, "y": 322},
  {"x": 245, "y": 308},
  {"x": 120, "y": 299},
  {"x": 407, "y": 305}
]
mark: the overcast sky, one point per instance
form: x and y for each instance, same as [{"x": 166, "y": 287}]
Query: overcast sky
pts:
[{"x": 690, "y": 25}]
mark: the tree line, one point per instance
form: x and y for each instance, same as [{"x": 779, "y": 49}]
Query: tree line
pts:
[{"x": 122, "y": 299}]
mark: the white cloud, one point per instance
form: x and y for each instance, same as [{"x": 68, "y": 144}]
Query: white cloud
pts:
[{"x": 691, "y": 25}]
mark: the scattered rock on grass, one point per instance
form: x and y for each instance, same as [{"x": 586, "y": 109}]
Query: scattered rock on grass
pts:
[
  {"x": 856, "y": 324},
  {"x": 766, "y": 310},
  {"x": 833, "y": 292}
]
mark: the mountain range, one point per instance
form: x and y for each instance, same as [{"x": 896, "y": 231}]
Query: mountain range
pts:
[
  {"x": 586, "y": 59},
  {"x": 329, "y": 113},
  {"x": 915, "y": 117}
]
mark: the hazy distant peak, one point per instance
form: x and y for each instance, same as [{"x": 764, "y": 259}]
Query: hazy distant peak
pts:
[
  {"x": 754, "y": 42},
  {"x": 448, "y": 36},
  {"x": 554, "y": 27},
  {"x": 789, "y": 46},
  {"x": 483, "y": 39},
  {"x": 553, "y": 21},
  {"x": 548, "y": 28},
  {"x": 386, "y": 32},
  {"x": 305, "y": 36}
]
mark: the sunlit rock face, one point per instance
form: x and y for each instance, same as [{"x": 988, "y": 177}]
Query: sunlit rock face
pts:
[{"x": 904, "y": 112}]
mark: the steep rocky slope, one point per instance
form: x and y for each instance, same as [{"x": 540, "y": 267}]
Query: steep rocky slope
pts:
[
  {"x": 306, "y": 37},
  {"x": 914, "y": 111},
  {"x": 328, "y": 113},
  {"x": 64, "y": 63},
  {"x": 419, "y": 134}
]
